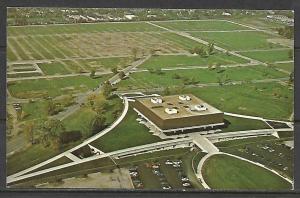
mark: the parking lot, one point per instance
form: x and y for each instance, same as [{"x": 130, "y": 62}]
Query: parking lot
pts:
[{"x": 163, "y": 174}]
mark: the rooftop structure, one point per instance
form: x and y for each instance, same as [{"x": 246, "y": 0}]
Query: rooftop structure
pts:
[{"x": 175, "y": 112}]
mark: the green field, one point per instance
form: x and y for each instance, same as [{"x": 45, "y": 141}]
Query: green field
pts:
[
  {"x": 196, "y": 76},
  {"x": 268, "y": 100},
  {"x": 242, "y": 124},
  {"x": 56, "y": 87},
  {"x": 226, "y": 172},
  {"x": 205, "y": 25},
  {"x": 268, "y": 56},
  {"x": 182, "y": 60},
  {"x": 128, "y": 133},
  {"x": 280, "y": 158},
  {"x": 289, "y": 67},
  {"x": 53, "y": 68},
  {"x": 237, "y": 40}
]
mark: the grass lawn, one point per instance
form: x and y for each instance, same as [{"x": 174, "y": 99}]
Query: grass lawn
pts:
[
  {"x": 237, "y": 40},
  {"x": 289, "y": 67},
  {"x": 280, "y": 158},
  {"x": 226, "y": 172},
  {"x": 242, "y": 124},
  {"x": 128, "y": 133},
  {"x": 36, "y": 109},
  {"x": 196, "y": 76},
  {"x": 53, "y": 68},
  {"x": 183, "y": 60},
  {"x": 60, "y": 161},
  {"x": 55, "y": 87},
  {"x": 268, "y": 100},
  {"x": 29, "y": 157},
  {"x": 268, "y": 56},
  {"x": 207, "y": 25}
]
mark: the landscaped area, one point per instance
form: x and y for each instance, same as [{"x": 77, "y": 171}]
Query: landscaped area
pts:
[
  {"x": 226, "y": 172},
  {"x": 71, "y": 73},
  {"x": 128, "y": 133}
]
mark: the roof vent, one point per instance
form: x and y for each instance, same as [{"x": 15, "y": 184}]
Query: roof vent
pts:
[
  {"x": 171, "y": 111},
  {"x": 184, "y": 97},
  {"x": 156, "y": 100},
  {"x": 199, "y": 107}
]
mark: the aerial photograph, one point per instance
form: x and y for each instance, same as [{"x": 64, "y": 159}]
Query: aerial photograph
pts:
[{"x": 150, "y": 99}]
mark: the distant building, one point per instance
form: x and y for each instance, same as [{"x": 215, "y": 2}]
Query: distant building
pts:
[
  {"x": 226, "y": 14},
  {"x": 129, "y": 16},
  {"x": 178, "y": 112}
]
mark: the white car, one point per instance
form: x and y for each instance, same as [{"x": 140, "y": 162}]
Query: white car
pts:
[
  {"x": 168, "y": 162},
  {"x": 186, "y": 184}
]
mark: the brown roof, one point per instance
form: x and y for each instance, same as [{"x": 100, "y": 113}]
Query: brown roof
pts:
[{"x": 183, "y": 107}]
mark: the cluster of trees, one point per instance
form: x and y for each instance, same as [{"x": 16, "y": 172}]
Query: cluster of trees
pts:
[
  {"x": 54, "y": 107},
  {"x": 286, "y": 31},
  {"x": 50, "y": 132},
  {"x": 202, "y": 51}
]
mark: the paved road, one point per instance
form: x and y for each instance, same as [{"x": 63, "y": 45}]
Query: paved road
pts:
[{"x": 116, "y": 78}]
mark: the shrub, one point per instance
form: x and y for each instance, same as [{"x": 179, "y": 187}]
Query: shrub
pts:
[{"x": 70, "y": 136}]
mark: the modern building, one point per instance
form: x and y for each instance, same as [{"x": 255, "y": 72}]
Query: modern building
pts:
[{"x": 178, "y": 113}]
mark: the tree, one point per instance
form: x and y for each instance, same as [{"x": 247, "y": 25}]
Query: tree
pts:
[
  {"x": 51, "y": 107},
  {"x": 291, "y": 54},
  {"x": 134, "y": 53},
  {"x": 291, "y": 79},
  {"x": 114, "y": 70},
  {"x": 93, "y": 72},
  {"x": 28, "y": 129},
  {"x": 121, "y": 75},
  {"x": 107, "y": 89},
  {"x": 98, "y": 123},
  {"x": 211, "y": 48},
  {"x": 53, "y": 127}
]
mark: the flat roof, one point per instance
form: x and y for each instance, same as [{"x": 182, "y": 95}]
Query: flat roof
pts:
[{"x": 182, "y": 106}]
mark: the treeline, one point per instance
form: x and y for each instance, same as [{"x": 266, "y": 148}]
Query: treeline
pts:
[{"x": 287, "y": 31}]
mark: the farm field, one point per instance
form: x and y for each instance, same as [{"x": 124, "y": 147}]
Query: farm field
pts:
[
  {"x": 289, "y": 67},
  {"x": 226, "y": 172}
]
